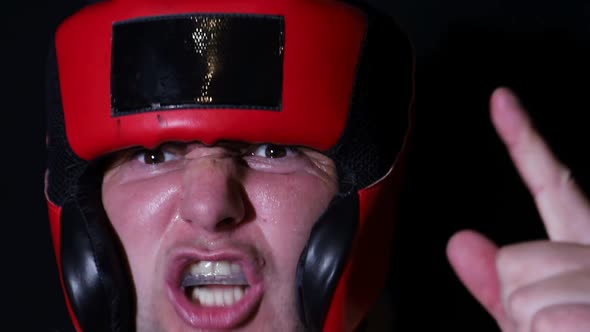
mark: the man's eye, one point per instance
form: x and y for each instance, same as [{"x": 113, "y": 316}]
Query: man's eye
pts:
[
  {"x": 153, "y": 157},
  {"x": 272, "y": 151}
]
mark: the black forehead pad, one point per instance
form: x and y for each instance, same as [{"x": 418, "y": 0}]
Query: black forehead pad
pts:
[{"x": 197, "y": 61}]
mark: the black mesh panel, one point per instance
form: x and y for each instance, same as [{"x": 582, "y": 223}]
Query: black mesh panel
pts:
[
  {"x": 63, "y": 165},
  {"x": 376, "y": 128}
]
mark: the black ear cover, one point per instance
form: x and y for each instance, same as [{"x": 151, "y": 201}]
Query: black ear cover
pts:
[
  {"x": 95, "y": 277},
  {"x": 324, "y": 257}
]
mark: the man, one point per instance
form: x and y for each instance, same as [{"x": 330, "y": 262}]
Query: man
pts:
[{"x": 218, "y": 165}]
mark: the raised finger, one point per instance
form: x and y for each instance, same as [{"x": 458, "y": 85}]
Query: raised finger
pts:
[{"x": 562, "y": 205}]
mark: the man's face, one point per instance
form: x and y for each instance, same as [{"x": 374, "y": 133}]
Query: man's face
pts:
[{"x": 213, "y": 234}]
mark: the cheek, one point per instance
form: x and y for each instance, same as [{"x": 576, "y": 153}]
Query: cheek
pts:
[
  {"x": 139, "y": 212},
  {"x": 286, "y": 208}
]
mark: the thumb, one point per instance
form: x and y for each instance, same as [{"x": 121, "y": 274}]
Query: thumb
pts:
[{"x": 473, "y": 258}]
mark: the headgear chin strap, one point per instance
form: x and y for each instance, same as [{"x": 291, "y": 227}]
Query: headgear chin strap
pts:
[{"x": 298, "y": 72}]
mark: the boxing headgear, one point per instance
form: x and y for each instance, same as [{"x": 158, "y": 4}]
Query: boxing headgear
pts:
[{"x": 130, "y": 73}]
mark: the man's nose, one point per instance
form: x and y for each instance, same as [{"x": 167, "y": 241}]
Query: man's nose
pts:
[{"x": 213, "y": 196}]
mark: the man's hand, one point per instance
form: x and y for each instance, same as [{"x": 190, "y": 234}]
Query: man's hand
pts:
[{"x": 539, "y": 286}]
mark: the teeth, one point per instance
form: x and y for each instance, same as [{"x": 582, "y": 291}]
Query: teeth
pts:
[
  {"x": 217, "y": 295},
  {"x": 222, "y": 268},
  {"x": 215, "y": 283},
  {"x": 202, "y": 268},
  {"x": 214, "y": 273},
  {"x": 219, "y": 268},
  {"x": 235, "y": 268},
  {"x": 238, "y": 293}
]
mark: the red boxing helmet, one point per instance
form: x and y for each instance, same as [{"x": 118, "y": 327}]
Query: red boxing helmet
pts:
[{"x": 129, "y": 73}]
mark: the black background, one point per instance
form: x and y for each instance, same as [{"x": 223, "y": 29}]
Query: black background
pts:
[{"x": 459, "y": 177}]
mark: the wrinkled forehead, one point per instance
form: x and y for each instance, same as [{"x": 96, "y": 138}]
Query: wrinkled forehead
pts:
[{"x": 143, "y": 73}]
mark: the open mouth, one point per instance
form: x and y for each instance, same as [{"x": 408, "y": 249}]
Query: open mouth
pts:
[{"x": 215, "y": 292}]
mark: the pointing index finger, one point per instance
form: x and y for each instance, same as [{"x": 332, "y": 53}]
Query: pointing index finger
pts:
[{"x": 562, "y": 205}]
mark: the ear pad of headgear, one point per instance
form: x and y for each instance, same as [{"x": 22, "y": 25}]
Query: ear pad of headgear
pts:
[
  {"x": 358, "y": 225},
  {"x": 91, "y": 266},
  {"x": 91, "y": 270},
  {"x": 322, "y": 259}
]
